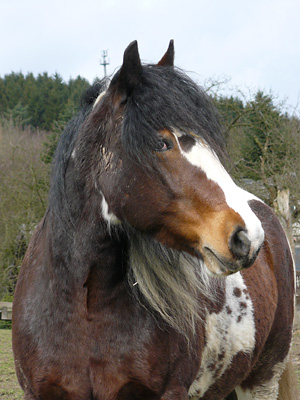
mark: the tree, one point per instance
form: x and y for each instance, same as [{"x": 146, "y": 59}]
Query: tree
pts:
[
  {"x": 23, "y": 198},
  {"x": 44, "y": 98},
  {"x": 264, "y": 144}
]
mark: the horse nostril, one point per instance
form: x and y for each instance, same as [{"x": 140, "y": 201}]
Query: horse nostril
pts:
[{"x": 239, "y": 243}]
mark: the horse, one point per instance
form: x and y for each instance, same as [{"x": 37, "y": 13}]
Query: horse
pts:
[{"x": 152, "y": 274}]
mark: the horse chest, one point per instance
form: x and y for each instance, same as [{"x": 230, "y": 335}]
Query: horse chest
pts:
[
  {"x": 139, "y": 360},
  {"x": 227, "y": 333}
]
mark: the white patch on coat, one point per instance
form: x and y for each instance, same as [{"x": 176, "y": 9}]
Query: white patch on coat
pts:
[
  {"x": 99, "y": 98},
  {"x": 265, "y": 391},
  {"x": 227, "y": 333},
  {"x": 109, "y": 217},
  {"x": 203, "y": 157}
]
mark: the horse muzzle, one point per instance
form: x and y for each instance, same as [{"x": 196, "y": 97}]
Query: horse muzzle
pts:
[{"x": 242, "y": 254}]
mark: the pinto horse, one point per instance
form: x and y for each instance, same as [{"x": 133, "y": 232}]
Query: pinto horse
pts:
[{"x": 136, "y": 283}]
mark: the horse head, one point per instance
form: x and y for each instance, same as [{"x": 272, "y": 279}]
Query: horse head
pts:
[{"x": 155, "y": 158}]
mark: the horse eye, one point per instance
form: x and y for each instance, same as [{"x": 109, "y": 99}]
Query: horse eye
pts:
[{"x": 165, "y": 145}]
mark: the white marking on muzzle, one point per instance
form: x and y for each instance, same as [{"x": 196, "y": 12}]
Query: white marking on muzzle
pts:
[{"x": 203, "y": 157}]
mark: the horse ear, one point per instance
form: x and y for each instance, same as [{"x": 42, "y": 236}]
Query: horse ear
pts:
[
  {"x": 168, "y": 58},
  {"x": 131, "y": 70}
]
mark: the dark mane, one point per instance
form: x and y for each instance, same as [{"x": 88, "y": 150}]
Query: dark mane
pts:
[
  {"x": 168, "y": 99},
  {"x": 57, "y": 195}
]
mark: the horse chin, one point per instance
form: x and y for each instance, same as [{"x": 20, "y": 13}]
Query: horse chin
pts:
[{"x": 218, "y": 265}]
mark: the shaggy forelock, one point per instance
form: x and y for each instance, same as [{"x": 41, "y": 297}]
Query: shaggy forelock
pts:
[{"x": 168, "y": 99}]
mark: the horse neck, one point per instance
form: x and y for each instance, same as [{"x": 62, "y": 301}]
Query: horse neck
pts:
[{"x": 83, "y": 243}]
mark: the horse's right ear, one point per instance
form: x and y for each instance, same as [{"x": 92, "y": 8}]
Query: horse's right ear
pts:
[{"x": 130, "y": 72}]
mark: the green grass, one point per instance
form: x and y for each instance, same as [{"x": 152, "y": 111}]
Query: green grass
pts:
[{"x": 9, "y": 386}]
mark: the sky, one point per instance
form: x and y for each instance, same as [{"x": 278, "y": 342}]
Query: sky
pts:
[{"x": 250, "y": 44}]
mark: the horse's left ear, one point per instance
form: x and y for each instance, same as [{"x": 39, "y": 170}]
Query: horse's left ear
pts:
[
  {"x": 168, "y": 58},
  {"x": 131, "y": 70}
]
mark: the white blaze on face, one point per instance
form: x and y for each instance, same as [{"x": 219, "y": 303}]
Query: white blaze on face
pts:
[{"x": 203, "y": 157}]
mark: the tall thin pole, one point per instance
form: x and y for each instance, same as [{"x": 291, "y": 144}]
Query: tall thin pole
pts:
[{"x": 104, "y": 61}]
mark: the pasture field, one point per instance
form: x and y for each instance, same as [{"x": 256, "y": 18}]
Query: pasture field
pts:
[{"x": 9, "y": 387}]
